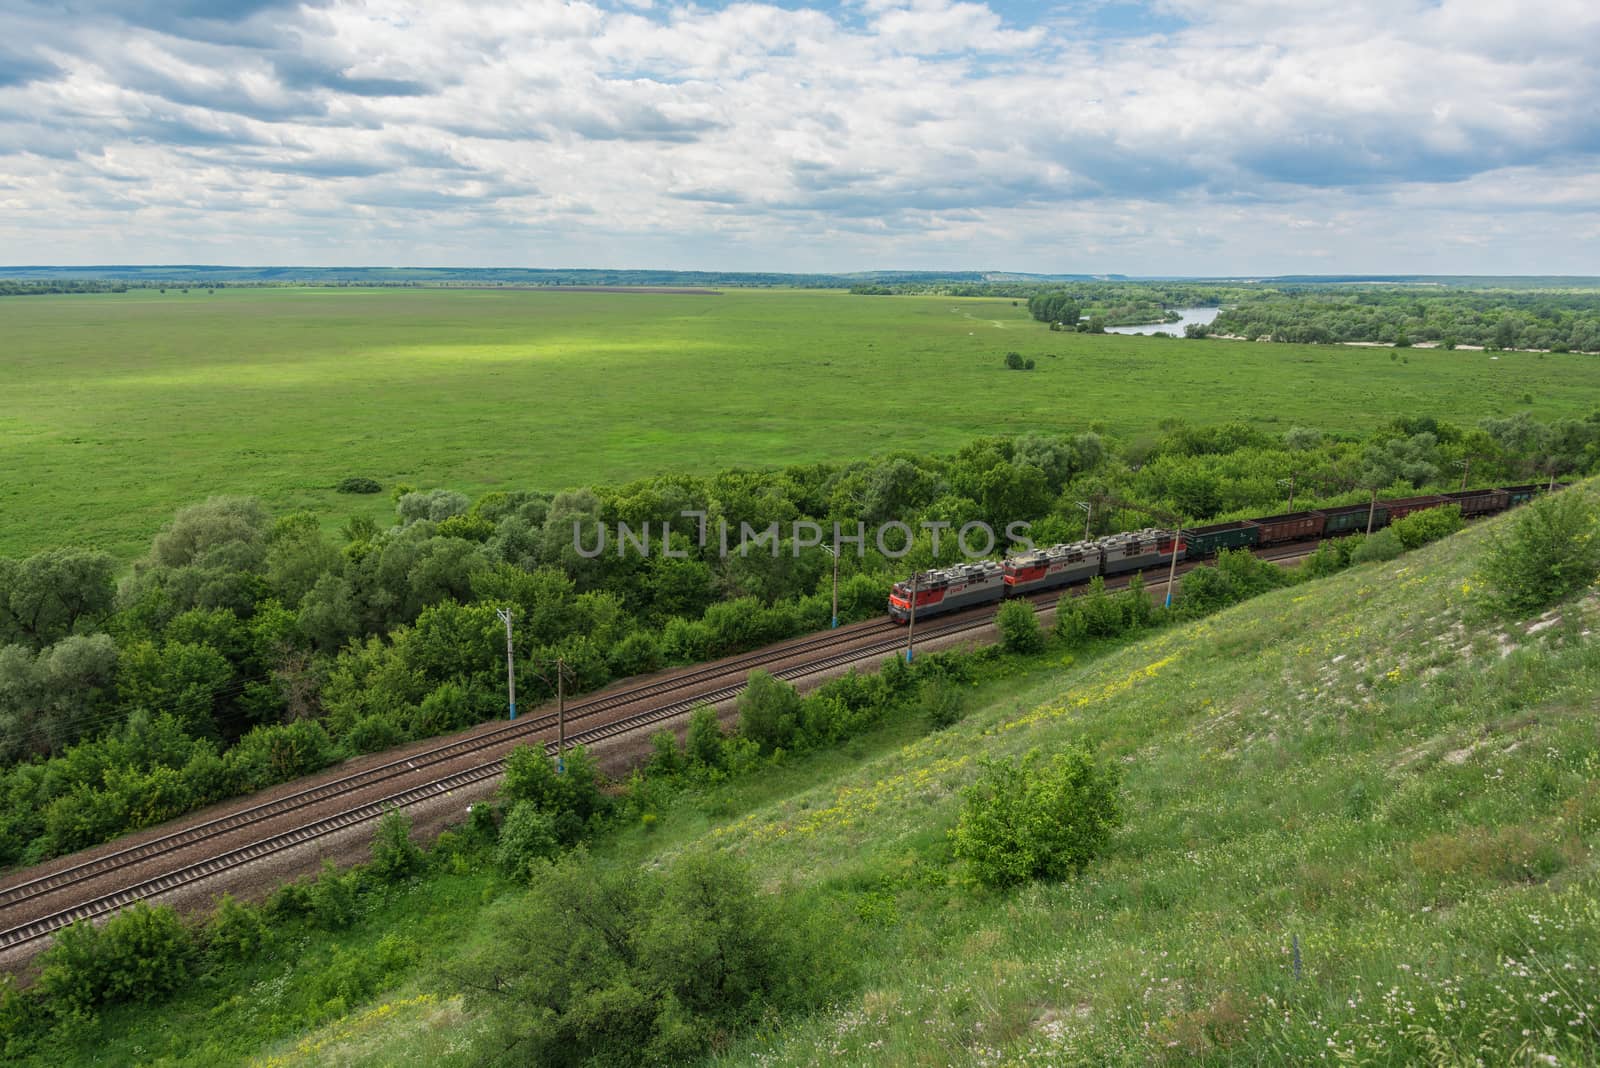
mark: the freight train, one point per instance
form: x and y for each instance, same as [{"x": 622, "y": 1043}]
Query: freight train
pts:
[{"x": 950, "y": 589}]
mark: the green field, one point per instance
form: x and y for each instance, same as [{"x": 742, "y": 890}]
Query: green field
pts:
[{"x": 122, "y": 407}]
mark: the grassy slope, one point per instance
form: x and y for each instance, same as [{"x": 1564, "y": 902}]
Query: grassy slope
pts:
[
  {"x": 1363, "y": 765},
  {"x": 122, "y": 407}
]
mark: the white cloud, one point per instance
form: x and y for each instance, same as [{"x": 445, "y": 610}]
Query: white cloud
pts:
[{"x": 921, "y": 133}]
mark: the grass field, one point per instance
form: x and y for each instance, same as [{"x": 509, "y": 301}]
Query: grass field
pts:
[{"x": 121, "y": 407}]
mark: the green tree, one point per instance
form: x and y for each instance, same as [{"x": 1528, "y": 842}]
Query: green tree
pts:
[
  {"x": 769, "y": 711},
  {"x": 394, "y": 854},
  {"x": 703, "y": 744},
  {"x": 1036, "y": 819},
  {"x": 1019, "y": 627},
  {"x": 1551, "y": 551}
]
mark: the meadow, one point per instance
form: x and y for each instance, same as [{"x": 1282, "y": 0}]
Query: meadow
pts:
[{"x": 119, "y": 408}]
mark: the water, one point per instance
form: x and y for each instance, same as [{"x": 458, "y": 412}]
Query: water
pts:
[{"x": 1190, "y": 315}]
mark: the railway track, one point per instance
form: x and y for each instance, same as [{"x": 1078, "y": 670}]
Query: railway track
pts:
[{"x": 850, "y": 645}]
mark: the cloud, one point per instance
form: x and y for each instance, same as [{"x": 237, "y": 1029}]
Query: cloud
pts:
[{"x": 876, "y": 132}]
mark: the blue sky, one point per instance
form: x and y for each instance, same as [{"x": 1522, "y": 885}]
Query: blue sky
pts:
[{"x": 1175, "y": 137}]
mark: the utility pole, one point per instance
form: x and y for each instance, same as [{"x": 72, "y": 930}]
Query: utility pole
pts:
[
  {"x": 1088, "y": 514},
  {"x": 1290, "y": 483},
  {"x": 911, "y": 624},
  {"x": 833, "y": 551},
  {"x": 1172, "y": 569},
  {"x": 1372, "y": 508},
  {"x": 1465, "y": 465},
  {"x": 561, "y": 716},
  {"x": 511, "y": 666}
]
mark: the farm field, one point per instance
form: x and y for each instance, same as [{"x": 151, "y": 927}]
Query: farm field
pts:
[{"x": 122, "y": 407}]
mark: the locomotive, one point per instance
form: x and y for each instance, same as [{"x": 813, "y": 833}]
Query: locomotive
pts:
[{"x": 950, "y": 589}]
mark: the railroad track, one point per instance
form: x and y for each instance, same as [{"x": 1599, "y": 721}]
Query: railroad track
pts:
[{"x": 857, "y": 643}]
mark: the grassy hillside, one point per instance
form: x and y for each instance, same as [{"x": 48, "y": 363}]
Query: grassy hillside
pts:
[
  {"x": 1361, "y": 817},
  {"x": 122, "y": 407},
  {"x": 1361, "y": 765}
]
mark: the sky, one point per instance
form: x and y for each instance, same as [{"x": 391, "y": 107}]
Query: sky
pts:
[{"x": 1177, "y": 137}]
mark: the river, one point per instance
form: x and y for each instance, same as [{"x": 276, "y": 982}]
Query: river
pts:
[{"x": 1190, "y": 315}]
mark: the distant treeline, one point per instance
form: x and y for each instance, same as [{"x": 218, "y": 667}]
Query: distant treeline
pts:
[
  {"x": 1560, "y": 321},
  {"x": 10, "y": 288}
]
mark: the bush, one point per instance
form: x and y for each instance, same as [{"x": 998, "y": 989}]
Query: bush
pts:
[
  {"x": 236, "y": 931},
  {"x": 139, "y": 953},
  {"x": 942, "y": 702},
  {"x": 359, "y": 484},
  {"x": 1430, "y": 524},
  {"x": 572, "y": 799},
  {"x": 1019, "y": 628},
  {"x": 769, "y": 711},
  {"x": 1037, "y": 819},
  {"x": 448, "y": 708},
  {"x": 375, "y": 732},
  {"x": 270, "y": 755},
  {"x": 636, "y": 654},
  {"x": 1551, "y": 551},
  {"x": 703, "y": 745},
  {"x": 1377, "y": 547},
  {"x": 624, "y": 965},
  {"x": 394, "y": 854},
  {"x": 332, "y": 898},
  {"x": 527, "y": 839}
]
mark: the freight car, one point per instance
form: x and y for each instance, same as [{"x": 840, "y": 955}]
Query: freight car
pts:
[{"x": 950, "y": 589}]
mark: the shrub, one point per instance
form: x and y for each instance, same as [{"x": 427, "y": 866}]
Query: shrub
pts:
[
  {"x": 703, "y": 745},
  {"x": 1552, "y": 550},
  {"x": 769, "y": 711},
  {"x": 332, "y": 898},
  {"x": 1102, "y": 616},
  {"x": 942, "y": 702},
  {"x": 141, "y": 952},
  {"x": 374, "y": 732},
  {"x": 270, "y": 755},
  {"x": 394, "y": 854},
  {"x": 527, "y": 839},
  {"x": 1019, "y": 628},
  {"x": 1430, "y": 524},
  {"x": 571, "y": 798},
  {"x": 636, "y": 654},
  {"x": 359, "y": 484},
  {"x": 623, "y": 965},
  {"x": 1037, "y": 819},
  {"x": 448, "y": 708},
  {"x": 1378, "y": 546},
  {"x": 236, "y": 931}
]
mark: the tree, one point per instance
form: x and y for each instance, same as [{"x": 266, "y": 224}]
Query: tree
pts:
[
  {"x": 52, "y": 594},
  {"x": 1551, "y": 550},
  {"x": 1037, "y": 818},
  {"x": 769, "y": 711},
  {"x": 703, "y": 742},
  {"x": 1019, "y": 628},
  {"x": 394, "y": 854},
  {"x": 1409, "y": 459}
]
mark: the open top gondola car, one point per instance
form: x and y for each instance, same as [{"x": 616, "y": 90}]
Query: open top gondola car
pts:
[
  {"x": 1479, "y": 501},
  {"x": 1212, "y": 539},
  {"x": 1352, "y": 518},
  {"x": 948, "y": 589},
  {"x": 1293, "y": 526}
]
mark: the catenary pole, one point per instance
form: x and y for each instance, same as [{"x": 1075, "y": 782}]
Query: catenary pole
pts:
[
  {"x": 511, "y": 665},
  {"x": 1172, "y": 569},
  {"x": 911, "y": 624}
]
